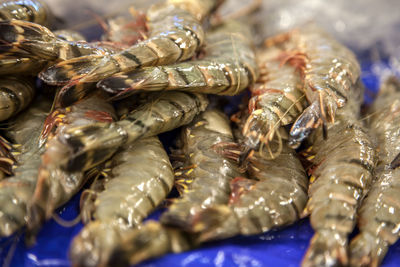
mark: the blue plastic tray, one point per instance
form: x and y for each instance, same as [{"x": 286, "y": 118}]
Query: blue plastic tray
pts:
[{"x": 284, "y": 247}]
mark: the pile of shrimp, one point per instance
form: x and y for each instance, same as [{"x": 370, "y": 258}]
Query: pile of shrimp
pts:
[{"x": 86, "y": 116}]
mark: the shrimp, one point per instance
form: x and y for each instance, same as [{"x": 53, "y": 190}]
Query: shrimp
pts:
[
  {"x": 277, "y": 100},
  {"x": 228, "y": 68},
  {"x": 273, "y": 197},
  {"x": 204, "y": 178},
  {"x": 32, "y": 66},
  {"x": 176, "y": 34},
  {"x": 16, "y": 93},
  {"x": 379, "y": 217},
  {"x": 29, "y": 10},
  {"x": 150, "y": 240},
  {"x": 31, "y": 40},
  {"x": 54, "y": 186},
  {"x": 341, "y": 171},
  {"x": 141, "y": 176},
  {"x": 82, "y": 147},
  {"x": 16, "y": 191},
  {"x": 329, "y": 69}
]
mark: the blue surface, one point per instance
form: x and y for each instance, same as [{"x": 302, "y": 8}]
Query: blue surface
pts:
[{"x": 284, "y": 247}]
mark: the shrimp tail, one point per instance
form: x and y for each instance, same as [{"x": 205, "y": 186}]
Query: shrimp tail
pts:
[
  {"x": 309, "y": 120},
  {"x": 22, "y": 38},
  {"x": 327, "y": 248},
  {"x": 71, "y": 70},
  {"x": 151, "y": 240},
  {"x": 216, "y": 222},
  {"x": 367, "y": 250}
]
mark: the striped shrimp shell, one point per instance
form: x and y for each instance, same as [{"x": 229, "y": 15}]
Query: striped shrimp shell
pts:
[
  {"x": 16, "y": 93},
  {"x": 175, "y": 35},
  {"x": 274, "y": 197},
  {"x": 330, "y": 72},
  {"x": 204, "y": 178},
  {"x": 87, "y": 146},
  {"x": 55, "y": 186},
  {"x": 32, "y": 66},
  {"x": 141, "y": 177},
  {"x": 341, "y": 177},
  {"x": 30, "y": 40},
  {"x": 228, "y": 68},
  {"x": 17, "y": 191},
  {"x": 277, "y": 99},
  {"x": 379, "y": 215}
]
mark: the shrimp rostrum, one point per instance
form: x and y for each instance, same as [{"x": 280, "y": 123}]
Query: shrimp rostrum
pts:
[
  {"x": 379, "y": 216},
  {"x": 227, "y": 69},
  {"x": 204, "y": 178},
  {"x": 341, "y": 171},
  {"x": 329, "y": 71},
  {"x": 140, "y": 178}
]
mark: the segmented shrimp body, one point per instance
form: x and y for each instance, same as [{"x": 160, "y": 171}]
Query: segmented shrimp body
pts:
[
  {"x": 55, "y": 186},
  {"x": 274, "y": 197},
  {"x": 341, "y": 177},
  {"x": 176, "y": 34},
  {"x": 83, "y": 147},
  {"x": 29, "y": 10},
  {"x": 330, "y": 70},
  {"x": 277, "y": 100},
  {"x": 204, "y": 178},
  {"x": 17, "y": 191},
  {"x": 141, "y": 176},
  {"x": 379, "y": 215},
  {"x": 30, "y": 40},
  {"x": 16, "y": 93},
  {"x": 228, "y": 68}
]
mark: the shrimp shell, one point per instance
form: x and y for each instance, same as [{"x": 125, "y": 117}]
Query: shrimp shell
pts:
[
  {"x": 274, "y": 197},
  {"x": 17, "y": 191},
  {"x": 86, "y": 146},
  {"x": 16, "y": 93},
  {"x": 206, "y": 174},
  {"x": 151, "y": 240},
  {"x": 27, "y": 39},
  {"x": 32, "y": 66},
  {"x": 29, "y": 10},
  {"x": 176, "y": 34},
  {"x": 55, "y": 186},
  {"x": 141, "y": 177},
  {"x": 228, "y": 68},
  {"x": 379, "y": 216},
  {"x": 341, "y": 177},
  {"x": 330, "y": 72},
  {"x": 277, "y": 100}
]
